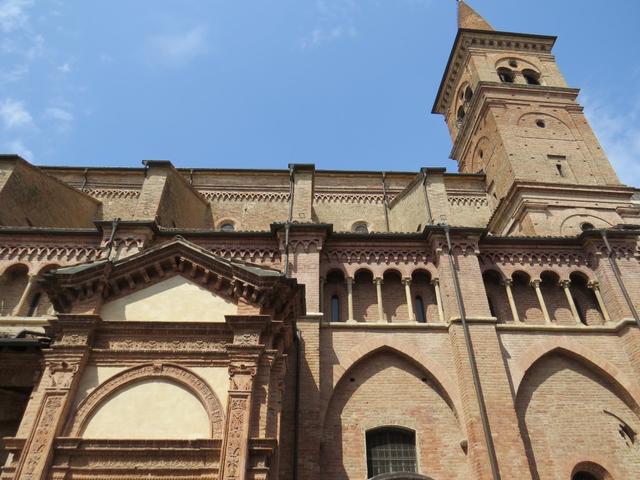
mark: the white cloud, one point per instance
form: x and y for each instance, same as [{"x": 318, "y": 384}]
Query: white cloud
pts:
[
  {"x": 13, "y": 14},
  {"x": 64, "y": 68},
  {"x": 619, "y": 132},
  {"x": 177, "y": 49},
  {"x": 320, "y": 36},
  {"x": 14, "y": 114},
  {"x": 14, "y": 74},
  {"x": 18, "y": 147},
  {"x": 61, "y": 118},
  {"x": 334, "y": 21}
]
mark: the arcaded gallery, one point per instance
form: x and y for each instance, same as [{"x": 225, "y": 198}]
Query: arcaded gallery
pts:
[{"x": 303, "y": 324}]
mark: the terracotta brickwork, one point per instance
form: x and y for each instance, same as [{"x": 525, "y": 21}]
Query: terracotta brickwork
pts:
[{"x": 300, "y": 324}]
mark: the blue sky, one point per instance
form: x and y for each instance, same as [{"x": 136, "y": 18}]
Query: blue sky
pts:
[{"x": 344, "y": 84}]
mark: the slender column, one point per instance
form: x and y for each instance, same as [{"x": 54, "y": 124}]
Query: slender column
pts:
[
  {"x": 350, "y": 299},
  {"x": 378, "y": 284},
  {"x": 436, "y": 286},
  {"x": 508, "y": 283},
  {"x": 595, "y": 286},
  {"x": 565, "y": 284},
  {"x": 407, "y": 290},
  {"x": 545, "y": 313},
  {"x": 321, "y": 288},
  {"x": 21, "y": 307}
]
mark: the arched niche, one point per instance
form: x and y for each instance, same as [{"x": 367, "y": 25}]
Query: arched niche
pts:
[
  {"x": 565, "y": 403},
  {"x": 403, "y": 395},
  {"x": 133, "y": 391}
]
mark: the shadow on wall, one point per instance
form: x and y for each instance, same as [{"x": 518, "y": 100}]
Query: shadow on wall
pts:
[{"x": 553, "y": 415}]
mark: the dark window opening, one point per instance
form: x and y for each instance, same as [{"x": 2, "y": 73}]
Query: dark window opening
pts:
[
  {"x": 559, "y": 168},
  {"x": 587, "y": 226},
  {"x": 335, "y": 308},
  {"x": 506, "y": 75},
  {"x": 421, "y": 316},
  {"x": 580, "y": 309},
  {"x": 541, "y": 123},
  {"x": 227, "y": 227},
  {"x": 584, "y": 476},
  {"x": 390, "y": 450},
  {"x": 461, "y": 114},
  {"x": 468, "y": 94},
  {"x": 532, "y": 78},
  {"x": 492, "y": 307},
  {"x": 513, "y": 63}
]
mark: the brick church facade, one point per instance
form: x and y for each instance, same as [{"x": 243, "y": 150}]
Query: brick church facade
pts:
[{"x": 300, "y": 324}]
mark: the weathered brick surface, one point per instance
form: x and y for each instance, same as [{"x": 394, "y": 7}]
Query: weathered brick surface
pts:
[{"x": 556, "y": 394}]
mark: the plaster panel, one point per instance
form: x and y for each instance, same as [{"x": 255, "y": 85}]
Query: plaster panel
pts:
[
  {"x": 150, "y": 409},
  {"x": 173, "y": 300},
  {"x": 218, "y": 380}
]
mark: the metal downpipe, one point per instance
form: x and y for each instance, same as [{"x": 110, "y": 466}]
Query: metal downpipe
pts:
[{"x": 493, "y": 459}]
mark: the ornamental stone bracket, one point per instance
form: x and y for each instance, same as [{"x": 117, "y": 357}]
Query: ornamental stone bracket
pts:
[
  {"x": 64, "y": 364},
  {"x": 244, "y": 356}
]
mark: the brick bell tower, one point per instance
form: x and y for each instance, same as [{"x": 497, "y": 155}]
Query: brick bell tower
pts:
[{"x": 512, "y": 117}]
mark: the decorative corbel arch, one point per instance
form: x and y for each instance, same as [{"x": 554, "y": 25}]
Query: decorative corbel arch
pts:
[
  {"x": 409, "y": 353},
  {"x": 583, "y": 354},
  {"x": 165, "y": 371}
]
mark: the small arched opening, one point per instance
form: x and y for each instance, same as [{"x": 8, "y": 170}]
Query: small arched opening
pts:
[
  {"x": 531, "y": 77},
  {"x": 585, "y": 300},
  {"x": 335, "y": 296},
  {"x": 506, "y": 75},
  {"x": 394, "y": 301},
  {"x": 497, "y": 296},
  {"x": 524, "y": 296},
  {"x": 424, "y": 297},
  {"x": 555, "y": 299},
  {"x": 13, "y": 283},
  {"x": 364, "y": 297}
]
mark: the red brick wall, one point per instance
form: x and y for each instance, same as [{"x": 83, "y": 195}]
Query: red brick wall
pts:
[
  {"x": 561, "y": 406},
  {"x": 387, "y": 390}
]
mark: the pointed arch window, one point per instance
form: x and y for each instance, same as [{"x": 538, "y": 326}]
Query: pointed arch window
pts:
[{"x": 390, "y": 450}]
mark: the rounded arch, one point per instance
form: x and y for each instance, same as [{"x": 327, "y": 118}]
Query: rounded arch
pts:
[
  {"x": 429, "y": 366},
  {"x": 576, "y": 351},
  {"x": 571, "y": 225},
  {"x": 18, "y": 268},
  {"x": 521, "y": 63},
  {"x": 594, "y": 466},
  {"x": 400, "y": 476},
  {"x": 482, "y": 152},
  {"x": 165, "y": 371}
]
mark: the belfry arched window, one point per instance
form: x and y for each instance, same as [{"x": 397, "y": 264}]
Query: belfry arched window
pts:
[
  {"x": 506, "y": 75},
  {"x": 390, "y": 450},
  {"x": 531, "y": 77}
]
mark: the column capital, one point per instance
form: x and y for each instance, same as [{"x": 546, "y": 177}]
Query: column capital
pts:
[
  {"x": 564, "y": 283},
  {"x": 435, "y": 281},
  {"x": 594, "y": 285},
  {"x": 535, "y": 283},
  {"x": 378, "y": 281},
  {"x": 507, "y": 282},
  {"x": 348, "y": 280},
  {"x": 406, "y": 281}
]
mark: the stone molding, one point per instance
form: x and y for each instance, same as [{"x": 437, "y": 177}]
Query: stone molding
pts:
[{"x": 157, "y": 370}]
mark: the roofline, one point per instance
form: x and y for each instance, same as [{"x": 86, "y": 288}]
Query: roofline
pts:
[{"x": 462, "y": 31}]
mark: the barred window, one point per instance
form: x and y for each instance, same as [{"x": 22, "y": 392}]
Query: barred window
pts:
[{"x": 390, "y": 450}]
